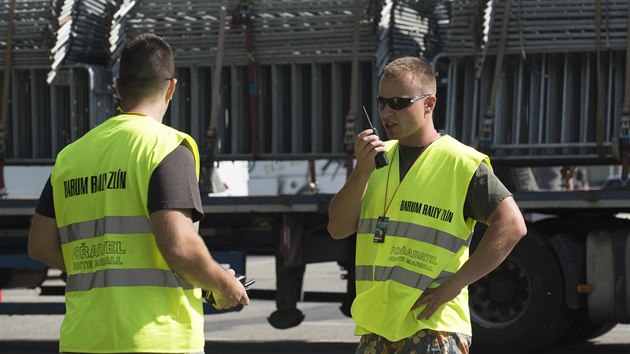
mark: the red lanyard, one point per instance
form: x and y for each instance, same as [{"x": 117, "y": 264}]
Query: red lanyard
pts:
[{"x": 389, "y": 169}]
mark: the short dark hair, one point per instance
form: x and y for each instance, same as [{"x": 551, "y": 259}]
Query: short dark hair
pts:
[
  {"x": 423, "y": 75},
  {"x": 146, "y": 65}
]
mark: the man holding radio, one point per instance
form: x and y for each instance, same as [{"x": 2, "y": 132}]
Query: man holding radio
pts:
[{"x": 414, "y": 219}]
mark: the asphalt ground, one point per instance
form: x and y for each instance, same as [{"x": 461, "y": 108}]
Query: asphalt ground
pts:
[{"x": 324, "y": 330}]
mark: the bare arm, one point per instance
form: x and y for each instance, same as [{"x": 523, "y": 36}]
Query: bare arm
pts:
[
  {"x": 43, "y": 241},
  {"x": 187, "y": 254},
  {"x": 345, "y": 207},
  {"x": 505, "y": 229}
]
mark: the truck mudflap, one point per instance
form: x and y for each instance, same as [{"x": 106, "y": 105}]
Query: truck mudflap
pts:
[{"x": 608, "y": 275}]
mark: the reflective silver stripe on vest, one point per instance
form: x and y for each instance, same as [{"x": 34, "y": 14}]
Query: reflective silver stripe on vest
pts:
[
  {"x": 125, "y": 277},
  {"x": 108, "y": 224},
  {"x": 400, "y": 275},
  {"x": 416, "y": 232}
]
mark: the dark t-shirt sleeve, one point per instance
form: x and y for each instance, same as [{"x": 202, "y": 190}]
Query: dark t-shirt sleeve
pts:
[
  {"x": 45, "y": 204},
  {"x": 485, "y": 193},
  {"x": 174, "y": 184}
]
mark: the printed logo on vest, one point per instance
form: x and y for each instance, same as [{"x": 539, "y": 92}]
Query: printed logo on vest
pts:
[
  {"x": 427, "y": 210},
  {"x": 413, "y": 257},
  {"x": 94, "y": 184},
  {"x": 98, "y": 255}
]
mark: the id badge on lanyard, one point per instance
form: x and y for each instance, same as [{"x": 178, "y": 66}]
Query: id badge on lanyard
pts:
[{"x": 381, "y": 229}]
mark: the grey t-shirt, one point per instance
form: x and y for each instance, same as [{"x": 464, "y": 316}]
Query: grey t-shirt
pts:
[{"x": 173, "y": 185}]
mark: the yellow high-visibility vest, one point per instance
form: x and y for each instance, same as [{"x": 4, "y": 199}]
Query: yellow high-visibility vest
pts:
[
  {"x": 426, "y": 241},
  {"x": 121, "y": 294}
]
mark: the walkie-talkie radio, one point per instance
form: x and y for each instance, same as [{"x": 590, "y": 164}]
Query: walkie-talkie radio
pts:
[
  {"x": 243, "y": 279},
  {"x": 380, "y": 159}
]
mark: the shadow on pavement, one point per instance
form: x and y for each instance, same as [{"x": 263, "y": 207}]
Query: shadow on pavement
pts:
[
  {"x": 219, "y": 347},
  {"x": 588, "y": 348},
  {"x": 49, "y": 347}
]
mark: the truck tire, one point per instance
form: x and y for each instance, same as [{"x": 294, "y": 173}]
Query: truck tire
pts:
[{"x": 520, "y": 307}]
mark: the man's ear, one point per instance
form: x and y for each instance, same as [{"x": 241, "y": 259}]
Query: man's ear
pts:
[
  {"x": 170, "y": 91},
  {"x": 430, "y": 102}
]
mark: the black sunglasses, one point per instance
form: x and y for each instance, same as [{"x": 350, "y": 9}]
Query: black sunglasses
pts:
[{"x": 397, "y": 103}]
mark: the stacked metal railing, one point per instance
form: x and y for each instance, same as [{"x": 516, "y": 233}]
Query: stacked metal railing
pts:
[
  {"x": 81, "y": 34},
  {"x": 561, "y": 80},
  {"x": 409, "y": 26},
  {"x": 117, "y": 31},
  {"x": 283, "y": 31},
  {"x": 466, "y": 27},
  {"x": 560, "y": 26},
  {"x": 32, "y": 32},
  {"x": 536, "y": 26},
  {"x": 302, "y": 54}
]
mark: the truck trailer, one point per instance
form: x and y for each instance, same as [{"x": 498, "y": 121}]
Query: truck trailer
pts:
[{"x": 541, "y": 87}]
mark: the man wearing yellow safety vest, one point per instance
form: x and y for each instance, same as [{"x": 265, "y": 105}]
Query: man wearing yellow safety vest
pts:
[
  {"x": 414, "y": 219},
  {"x": 117, "y": 216}
]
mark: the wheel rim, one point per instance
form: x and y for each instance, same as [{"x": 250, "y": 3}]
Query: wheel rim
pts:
[{"x": 500, "y": 298}]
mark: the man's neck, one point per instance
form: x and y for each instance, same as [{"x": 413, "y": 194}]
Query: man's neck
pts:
[
  {"x": 426, "y": 139},
  {"x": 151, "y": 109}
]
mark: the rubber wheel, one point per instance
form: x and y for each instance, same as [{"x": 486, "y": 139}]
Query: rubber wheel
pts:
[{"x": 519, "y": 306}]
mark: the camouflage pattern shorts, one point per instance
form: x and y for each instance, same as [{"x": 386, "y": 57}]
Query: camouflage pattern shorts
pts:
[{"x": 424, "y": 342}]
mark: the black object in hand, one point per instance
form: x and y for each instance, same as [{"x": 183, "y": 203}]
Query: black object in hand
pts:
[
  {"x": 243, "y": 279},
  {"x": 381, "y": 158}
]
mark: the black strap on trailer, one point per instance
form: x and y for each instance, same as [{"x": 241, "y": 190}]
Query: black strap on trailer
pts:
[
  {"x": 624, "y": 130},
  {"x": 487, "y": 126},
  {"x": 350, "y": 131},
  {"x": 207, "y": 167},
  {"x": 243, "y": 14},
  {"x": 599, "y": 117},
  {"x": 5, "y": 96}
]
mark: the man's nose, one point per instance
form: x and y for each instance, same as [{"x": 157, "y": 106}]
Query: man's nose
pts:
[{"x": 386, "y": 111}]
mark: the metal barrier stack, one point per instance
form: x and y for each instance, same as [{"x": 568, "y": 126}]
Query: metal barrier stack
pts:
[
  {"x": 81, "y": 33},
  {"x": 32, "y": 33},
  {"x": 558, "y": 80},
  {"x": 300, "y": 54},
  {"x": 524, "y": 93}
]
